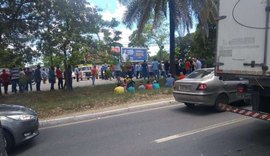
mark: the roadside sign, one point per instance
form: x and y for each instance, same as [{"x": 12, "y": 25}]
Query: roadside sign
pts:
[{"x": 134, "y": 54}]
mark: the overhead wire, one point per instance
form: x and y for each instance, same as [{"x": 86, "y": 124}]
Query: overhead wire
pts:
[{"x": 238, "y": 22}]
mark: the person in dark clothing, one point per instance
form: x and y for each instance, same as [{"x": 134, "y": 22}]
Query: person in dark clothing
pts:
[
  {"x": 52, "y": 77},
  {"x": 37, "y": 77},
  {"x": 28, "y": 74},
  {"x": 15, "y": 76},
  {"x": 167, "y": 67},
  {"x": 145, "y": 70}
]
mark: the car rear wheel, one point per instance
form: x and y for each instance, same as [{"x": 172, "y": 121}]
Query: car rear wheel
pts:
[
  {"x": 8, "y": 140},
  {"x": 223, "y": 99},
  {"x": 190, "y": 105}
]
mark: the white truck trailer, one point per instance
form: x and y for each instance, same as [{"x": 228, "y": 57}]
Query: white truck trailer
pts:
[{"x": 243, "y": 50}]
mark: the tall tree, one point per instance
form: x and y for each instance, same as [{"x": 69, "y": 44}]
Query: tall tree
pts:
[
  {"x": 151, "y": 36},
  {"x": 18, "y": 23},
  {"x": 181, "y": 15}
]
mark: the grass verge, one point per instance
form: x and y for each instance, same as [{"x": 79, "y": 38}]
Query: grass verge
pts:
[{"x": 60, "y": 102}]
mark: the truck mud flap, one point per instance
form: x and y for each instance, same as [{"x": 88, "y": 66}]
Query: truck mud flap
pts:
[{"x": 245, "y": 112}]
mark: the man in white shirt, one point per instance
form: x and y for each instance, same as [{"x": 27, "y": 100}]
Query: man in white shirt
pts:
[{"x": 198, "y": 64}]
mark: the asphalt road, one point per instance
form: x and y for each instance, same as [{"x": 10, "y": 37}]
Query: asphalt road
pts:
[{"x": 167, "y": 131}]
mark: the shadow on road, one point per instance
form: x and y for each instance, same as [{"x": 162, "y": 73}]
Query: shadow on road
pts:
[
  {"x": 198, "y": 110},
  {"x": 23, "y": 147},
  {"x": 201, "y": 110}
]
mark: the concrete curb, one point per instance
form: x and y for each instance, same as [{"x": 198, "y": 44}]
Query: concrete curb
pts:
[{"x": 76, "y": 118}]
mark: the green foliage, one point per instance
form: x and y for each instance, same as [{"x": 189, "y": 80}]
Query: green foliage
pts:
[
  {"x": 205, "y": 48},
  {"x": 181, "y": 15},
  {"x": 61, "y": 31},
  {"x": 194, "y": 45},
  {"x": 17, "y": 27},
  {"x": 184, "y": 46}
]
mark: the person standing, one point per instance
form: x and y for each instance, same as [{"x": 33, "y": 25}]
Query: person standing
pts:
[
  {"x": 22, "y": 80},
  {"x": 137, "y": 70},
  {"x": 145, "y": 69},
  {"x": 5, "y": 79},
  {"x": 15, "y": 76},
  {"x": 94, "y": 73},
  {"x": 167, "y": 67},
  {"x": 44, "y": 75},
  {"x": 188, "y": 67},
  {"x": 197, "y": 64},
  {"x": 28, "y": 74},
  {"x": 77, "y": 72},
  {"x": 162, "y": 69},
  {"x": 37, "y": 77},
  {"x": 118, "y": 71},
  {"x": 155, "y": 68},
  {"x": 59, "y": 75},
  {"x": 102, "y": 70},
  {"x": 52, "y": 77}
]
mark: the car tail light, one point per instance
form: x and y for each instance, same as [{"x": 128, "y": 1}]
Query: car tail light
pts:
[{"x": 202, "y": 86}]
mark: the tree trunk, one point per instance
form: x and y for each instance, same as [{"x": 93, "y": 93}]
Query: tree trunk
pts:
[
  {"x": 2, "y": 144},
  {"x": 172, "y": 36},
  {"x": 65, "y": 66}
]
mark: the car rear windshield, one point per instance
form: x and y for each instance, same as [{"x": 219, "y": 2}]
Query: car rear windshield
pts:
[{"x": 200, "y": 73}]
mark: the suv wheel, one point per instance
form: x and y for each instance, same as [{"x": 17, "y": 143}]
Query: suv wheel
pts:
[{"x": 8, "y": 140}]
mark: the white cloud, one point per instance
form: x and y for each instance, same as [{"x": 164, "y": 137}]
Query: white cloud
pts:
[{"x": 118, "y": 13}]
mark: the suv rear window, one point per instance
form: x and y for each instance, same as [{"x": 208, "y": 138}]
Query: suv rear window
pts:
[{"x": 200, "y": 73}]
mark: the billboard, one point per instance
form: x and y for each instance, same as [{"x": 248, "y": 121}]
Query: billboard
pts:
[{"x": 134, "y": 54}]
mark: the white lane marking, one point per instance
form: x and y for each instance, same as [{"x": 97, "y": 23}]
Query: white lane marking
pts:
[
  {"x": 180, "y": 135},
  {"x": 110, "y": 116}
]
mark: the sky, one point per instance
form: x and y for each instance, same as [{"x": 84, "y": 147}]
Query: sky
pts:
[{"x": 113, "y": 9}]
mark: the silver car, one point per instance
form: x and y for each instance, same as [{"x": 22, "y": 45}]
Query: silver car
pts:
[
  {"x": 19, "y": 124},
  {"x": 202, "y": 87}
]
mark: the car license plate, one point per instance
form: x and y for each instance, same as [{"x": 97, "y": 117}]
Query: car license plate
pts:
[{"x": 184, "y": 87}]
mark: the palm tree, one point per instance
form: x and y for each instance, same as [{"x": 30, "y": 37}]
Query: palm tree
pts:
[{"x": 182, "y": 14}]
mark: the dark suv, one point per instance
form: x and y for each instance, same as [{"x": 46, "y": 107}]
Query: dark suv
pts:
[{"x": 19, "y": 124}]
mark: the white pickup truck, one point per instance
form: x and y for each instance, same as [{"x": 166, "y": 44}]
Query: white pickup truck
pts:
[{"x": 84, "y": 73}]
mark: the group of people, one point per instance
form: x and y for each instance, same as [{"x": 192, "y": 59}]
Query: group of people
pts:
[
  {"x": 128, "y": 85},
  {"x": 187, "y": 66},
  {"x": 150, "y": 69},
  {"x": 21, "y": 77},
  {"x": 24, "y": 78}
]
